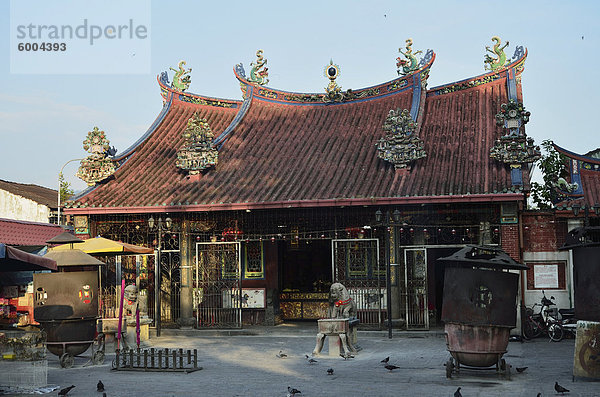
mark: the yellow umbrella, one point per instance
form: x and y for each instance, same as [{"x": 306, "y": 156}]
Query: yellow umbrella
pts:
[{"x": 104, "y": 246}]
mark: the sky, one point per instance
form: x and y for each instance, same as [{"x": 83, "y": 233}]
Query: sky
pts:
[{"x": 50, "y": 100}]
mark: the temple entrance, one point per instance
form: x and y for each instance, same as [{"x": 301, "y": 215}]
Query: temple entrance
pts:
[
  {"x": 304, "y": 278},
  {"x": 217, "y": 285},
  {"x": 170, "y": 280},
  {"x": 357, "y": 266}
]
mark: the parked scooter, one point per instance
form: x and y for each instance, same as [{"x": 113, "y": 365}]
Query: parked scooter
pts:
[
  {"x": 543, "y": 322},
  {"x": 566, "y": 325}
]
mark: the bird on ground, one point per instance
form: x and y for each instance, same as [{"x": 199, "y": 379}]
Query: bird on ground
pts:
[
  {"x": 521, "y": 369},
  {"x": 310, "y": 359},
  {"x": 292, "y": 391},
  {"x": 385, "y": 360},
  {"x": 100, "y": 386},
  {"x": 63, "y": 392},
  {"x": 391, "y": 367},
  {"x": 560, "y": 389},
  {"x": 457, "y": 393},
  {"x": 330, "y": 371},
  {"x": 281, "y": 354}
]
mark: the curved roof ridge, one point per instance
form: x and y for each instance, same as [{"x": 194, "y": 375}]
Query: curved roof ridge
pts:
[
  {"x": 352, "y": 96},
  {"x": 577, "y": 156},
  {"x": 517, "y": 61},
  {"x": 220, "y": 140},
  {"x": 189, "y": 97}
]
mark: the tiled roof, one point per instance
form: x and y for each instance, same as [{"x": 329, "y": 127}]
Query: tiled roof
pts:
[
  {"x": 39, "y": 194},
  {"x": 13, "y": 232},
  {"x": 285, "y": 150},
  {"x": 585, "y": 171}
]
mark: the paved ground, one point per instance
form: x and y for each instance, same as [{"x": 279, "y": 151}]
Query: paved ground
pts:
[{"x": 246, "y": 365}]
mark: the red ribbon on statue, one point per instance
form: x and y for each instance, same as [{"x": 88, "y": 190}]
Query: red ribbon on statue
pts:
[{"x": 342, "y": 303}]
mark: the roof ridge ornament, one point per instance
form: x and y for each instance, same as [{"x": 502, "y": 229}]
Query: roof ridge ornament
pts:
[
  {"x": 97, "y": 166},
  {"x": 401, "y": 145},
  {"x": 333, "y": 90},
  {"x": 197, "y": 154},
  {"x": 514, "y": 147},
  {"x": 259, "y": 71},
  {"x": 494, "y": 64},
  {"x": 410, "y": 64},
  {"x": 182, "y": 78}
]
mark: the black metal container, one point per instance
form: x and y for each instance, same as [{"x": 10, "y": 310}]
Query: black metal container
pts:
[
  {"x": 479, "y": 306},
  {"x": 66, "y": 306},
  {"x": 585, "y": 243}
]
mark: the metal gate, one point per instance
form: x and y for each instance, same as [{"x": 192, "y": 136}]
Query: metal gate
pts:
[
  {"x": 414, "y": 293},
  {"x": 217, "y": 287},
  {"x": 170, "y": 283},
  {"x": 355, "y": 264}
]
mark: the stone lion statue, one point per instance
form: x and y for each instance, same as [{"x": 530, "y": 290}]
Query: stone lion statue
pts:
[{"x": 341, "y": 305}]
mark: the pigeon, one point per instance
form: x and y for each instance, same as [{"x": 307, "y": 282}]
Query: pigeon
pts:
[
  {"x": 281, "y": 354},
  {"x": 391, "y": 367},
  {"x": 293, "y": 391},
  {"x": 100, "y": 386},
  {"x": 457, "y": 393},
  {"x": 310, "y": 359},
  {"x": 385, "y": 360},
  {"x": 521, "y": 369},
  {"x": 330, "y": 371},
  {"x": 560, "y": 389},
  {"x": 63, "y": 392}
]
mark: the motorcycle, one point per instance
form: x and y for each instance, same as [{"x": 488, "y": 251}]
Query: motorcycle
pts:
[{"x": 546, "y": 321}]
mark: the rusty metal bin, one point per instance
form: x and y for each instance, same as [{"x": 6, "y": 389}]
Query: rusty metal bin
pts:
[
  {"x": 585, "y": 245},
  {"x": 479, "y": 307},
  {"x": 66, "y": 306}
]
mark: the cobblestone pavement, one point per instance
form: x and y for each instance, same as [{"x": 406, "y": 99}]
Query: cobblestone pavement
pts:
[{"x": 248, "y": 366}]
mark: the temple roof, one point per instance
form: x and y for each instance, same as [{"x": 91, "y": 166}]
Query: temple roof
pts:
[
  {"x": 584, "y": 179},
  {"x": 278, "y": 149}
]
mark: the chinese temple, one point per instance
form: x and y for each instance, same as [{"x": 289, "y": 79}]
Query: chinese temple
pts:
[{"x": 256, "y": 206}]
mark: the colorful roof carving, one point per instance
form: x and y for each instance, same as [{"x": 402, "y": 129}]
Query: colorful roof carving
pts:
[
  {"x": 281, "y": 149},
  {"x": 581, "y": 182}
]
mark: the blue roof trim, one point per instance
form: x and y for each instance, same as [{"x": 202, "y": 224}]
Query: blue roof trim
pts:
[
  {"x": 82, "y": 193},
  {"x": 122, "y": 159},
  {"x": 416, "y": 99},
  {"x": 406, "y": 87},
  {"x": 220, "y": 140},
  {"x": 576, "y": 177},
  {"x": 511, "y": 84},
  {"x": 150, "y": 130},
  {"x": 577, "y": 156}
]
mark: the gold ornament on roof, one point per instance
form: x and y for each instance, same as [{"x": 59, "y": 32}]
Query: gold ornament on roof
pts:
[
  {"x": 97, "y": 166},
  {"x": 197, "y": 153}
]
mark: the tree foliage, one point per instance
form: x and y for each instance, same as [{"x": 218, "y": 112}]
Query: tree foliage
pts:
[
  {"x": 65, "y": 188},
  {"x": 552, "y": 166}
]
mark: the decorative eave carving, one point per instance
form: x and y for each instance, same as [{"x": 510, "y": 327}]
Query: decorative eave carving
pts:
[
  {"x": 197, "y": 153},
  {"x": 401, "y": 145},
  {"x": 514, "y": 147},
  {"x": 182, "y": 78},
  {"x": 259, "y": 72},
  {"x": 97, "y": 166},
  {"x": 410, "y": 64},
  {"x": 499, "y": 61}
]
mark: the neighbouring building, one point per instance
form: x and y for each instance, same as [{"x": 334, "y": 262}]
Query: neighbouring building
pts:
[
  {"x": 257, "y": 205},
  {"x": 576, "y": 204},
  {"x": 27, "y": 202}
]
